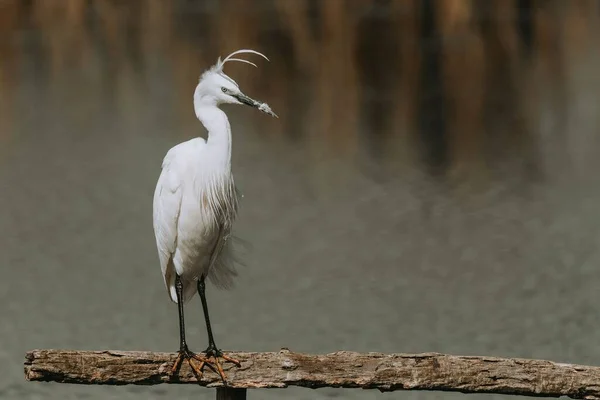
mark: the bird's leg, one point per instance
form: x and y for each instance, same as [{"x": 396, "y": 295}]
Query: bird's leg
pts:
[
  {"x": 184, "y": 352},
  {"x": 212, "y": 352}
]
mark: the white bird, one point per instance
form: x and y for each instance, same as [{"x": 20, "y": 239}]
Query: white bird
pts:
[{"x": 195, "y": 204}]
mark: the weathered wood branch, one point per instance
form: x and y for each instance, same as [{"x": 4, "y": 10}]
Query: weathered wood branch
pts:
[{"x": 386, "y": 372}]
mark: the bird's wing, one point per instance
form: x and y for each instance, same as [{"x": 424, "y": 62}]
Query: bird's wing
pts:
[{"x": 166, "y": 208}]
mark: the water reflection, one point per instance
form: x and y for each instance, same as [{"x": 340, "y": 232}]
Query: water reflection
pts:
[
  {"x": 430, "y": 184},
  {"x": 462, "y": 83}
]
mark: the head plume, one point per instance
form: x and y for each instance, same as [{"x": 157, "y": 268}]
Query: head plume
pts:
[{"x": 218, "y": 67}]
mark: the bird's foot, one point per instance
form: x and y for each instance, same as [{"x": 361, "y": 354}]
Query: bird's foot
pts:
[
  {"x": 212, "y": 360},
  {"x": 185, "y": 353}
]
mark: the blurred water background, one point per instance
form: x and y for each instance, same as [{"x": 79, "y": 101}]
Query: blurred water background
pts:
[{"x": 431, "y": 184}]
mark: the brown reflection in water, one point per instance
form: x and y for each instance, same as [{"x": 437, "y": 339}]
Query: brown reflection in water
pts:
[
  {"x": 10, "y": 18},
  {"x": 462, "y": 53},
  {"x": 454, "y": 87}
]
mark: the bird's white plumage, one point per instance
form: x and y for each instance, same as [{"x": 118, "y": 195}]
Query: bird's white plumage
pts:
[
  {"x": 195, "y": 201},
  {"x": 189, "y": 219}
]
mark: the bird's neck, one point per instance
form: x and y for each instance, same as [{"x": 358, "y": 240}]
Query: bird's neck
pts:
[{"x": 219, "y": 135}]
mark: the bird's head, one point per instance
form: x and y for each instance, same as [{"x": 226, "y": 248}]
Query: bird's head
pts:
[{"x": 216, "y": 88}]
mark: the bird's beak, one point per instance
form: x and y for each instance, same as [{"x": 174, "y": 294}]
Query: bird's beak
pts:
[{"x": 264, "y": 107}]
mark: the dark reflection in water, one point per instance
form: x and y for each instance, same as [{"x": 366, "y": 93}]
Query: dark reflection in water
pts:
[
  {"x": 432, "y": 127},
  {"x": 430, "y": 184}
]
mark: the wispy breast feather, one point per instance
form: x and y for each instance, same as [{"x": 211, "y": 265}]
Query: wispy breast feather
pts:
[{"x": 222, "y": 201}]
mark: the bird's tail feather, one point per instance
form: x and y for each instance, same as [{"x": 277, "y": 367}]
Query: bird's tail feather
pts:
[{"x": 221, "y": 275}]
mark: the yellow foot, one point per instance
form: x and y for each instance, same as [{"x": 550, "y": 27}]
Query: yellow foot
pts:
[
  {"x": 212, "y": 361},
  {"x": 189, "y": 356}
]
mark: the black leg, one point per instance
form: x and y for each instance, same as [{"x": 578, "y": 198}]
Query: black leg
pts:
[
  {"x": 212, "y": 351},
  {"x": 184, "y": 352},
  {"x": 179, "y": 291},
  {"x": 202, "y": 292}
]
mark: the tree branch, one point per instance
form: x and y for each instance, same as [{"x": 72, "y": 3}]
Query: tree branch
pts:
[{"x": 386, "y": 372}]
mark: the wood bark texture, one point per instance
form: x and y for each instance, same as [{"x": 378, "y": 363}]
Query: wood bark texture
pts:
[{"x": 342, "y": 369}]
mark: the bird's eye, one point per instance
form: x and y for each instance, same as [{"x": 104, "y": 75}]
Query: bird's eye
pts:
[{"x": 224, "y": 90}]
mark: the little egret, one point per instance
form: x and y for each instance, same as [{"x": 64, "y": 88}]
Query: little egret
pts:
[{"x": 195, "y": 204}]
